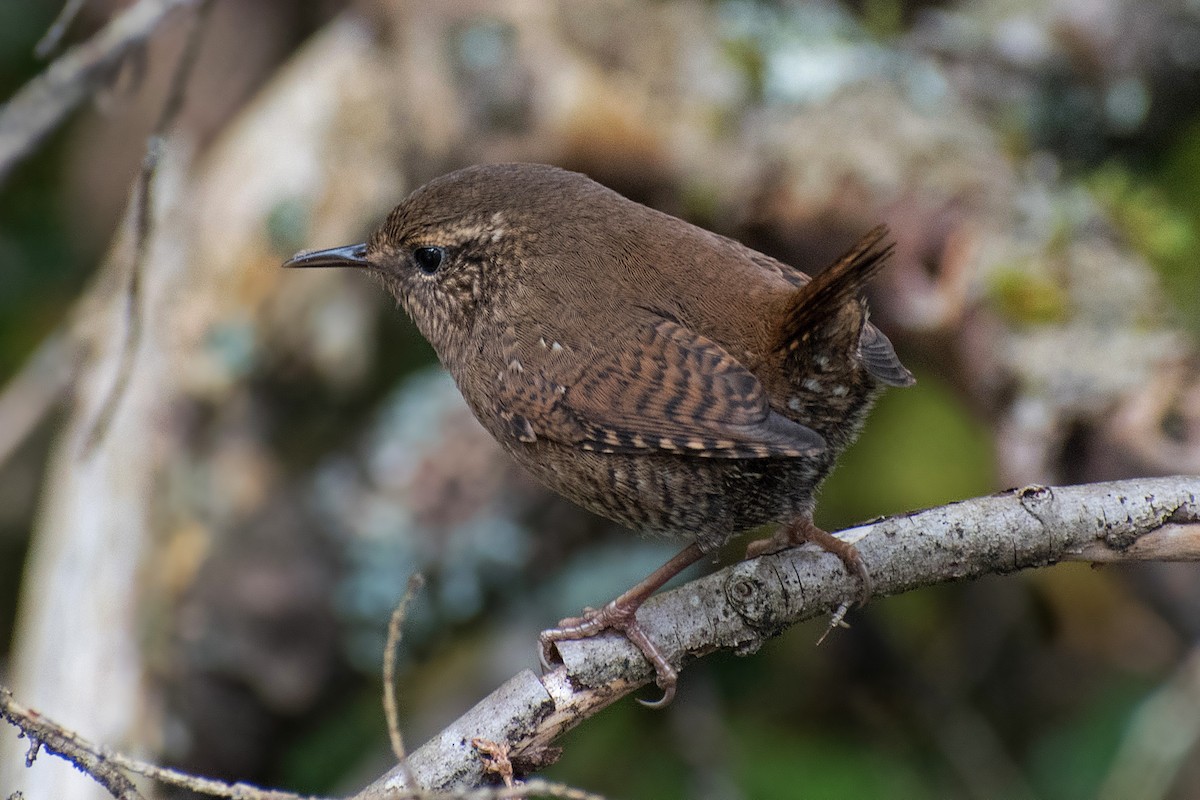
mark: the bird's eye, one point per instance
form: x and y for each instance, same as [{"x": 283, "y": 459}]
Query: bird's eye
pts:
[{"x": 429, "y": 258}]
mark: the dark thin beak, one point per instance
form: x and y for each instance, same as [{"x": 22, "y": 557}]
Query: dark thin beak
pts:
[{"x": 352, "y": 255}]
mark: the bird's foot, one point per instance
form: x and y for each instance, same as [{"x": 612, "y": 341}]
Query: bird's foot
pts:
[
  {"x": 803, "y": 530},
  {"x": 620, "y": 617}
]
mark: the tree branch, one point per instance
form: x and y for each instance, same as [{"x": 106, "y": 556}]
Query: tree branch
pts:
[
  {"x": 143, "y": 228},
  {"x": 740, "y": 607},
  {"x": 42, "y": 732},
  {"x": 58, "y": 29},
  {"x": 36, "y": 390},
  {"x": 735, "y": 608},
  {"x": 108, "y": 767},
  {"x": 46, "y": 100}
]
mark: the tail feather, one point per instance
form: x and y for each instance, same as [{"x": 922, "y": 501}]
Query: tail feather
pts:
[{"x": 823, "y": 297}]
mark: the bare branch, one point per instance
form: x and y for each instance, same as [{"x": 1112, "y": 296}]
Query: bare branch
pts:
[
  {"x": 143, "y": 222},
  {"x": 739, "y": 607},
  {"x": 35, "y": 390},
  {"x": 42, "y": 104},
  {"x": 108, "y": 767},
  {"x": 49, "y": 372},
  {"x": 50, "y": 41},
  {"x": 42, "y": 732}
]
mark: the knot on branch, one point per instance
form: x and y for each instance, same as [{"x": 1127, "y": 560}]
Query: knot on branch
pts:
[
  {"x": 750, "y": 596},
  {"x": 1035, "y": 499}
]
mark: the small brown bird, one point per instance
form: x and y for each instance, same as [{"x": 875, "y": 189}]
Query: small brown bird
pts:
[{"x": 657, "y": 374}]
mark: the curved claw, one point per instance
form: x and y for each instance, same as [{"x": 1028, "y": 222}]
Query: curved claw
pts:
[
  {"x": 621, "y": 615},
  {"x": 662, "y": 702},
  {"x": 545, "y": 649},
  {"x": 619, "y": 618},
  {"x": 866, "y": 585}
]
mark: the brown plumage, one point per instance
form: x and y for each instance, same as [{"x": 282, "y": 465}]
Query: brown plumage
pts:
[{"x": 660, "y": 375}]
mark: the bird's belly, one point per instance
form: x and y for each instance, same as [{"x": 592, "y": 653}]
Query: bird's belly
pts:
[{"x": 707, "y": 500}]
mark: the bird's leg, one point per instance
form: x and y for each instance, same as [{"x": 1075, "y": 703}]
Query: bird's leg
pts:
[
  {"x": 621, "y": 615},
  {"x": 803, "y": 530}
]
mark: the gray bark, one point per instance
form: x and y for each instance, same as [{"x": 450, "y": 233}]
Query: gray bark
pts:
[{"x": 740, "y": 607}]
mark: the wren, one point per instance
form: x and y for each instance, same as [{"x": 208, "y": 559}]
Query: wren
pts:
[{"x": 662, "y": 376}]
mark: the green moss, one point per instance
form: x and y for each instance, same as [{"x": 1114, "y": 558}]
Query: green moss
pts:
[
  {"x": 603, "y": 755},
  {"x": 1176, "y": 176},
  {"x": 777, "y": 763},
  {"x": 1027, "y": 298},
  {"x": 1159, "y": 230},
  {"x": 701, "y": 203},
  {"x": 1070, "y": 760},
  {"x": 747, "y": 55},
  {"x": 883, "y": 19},
  {"x": 921, "y": 447},
  {"x": 315, "y": 756},
  {"x": 1161, "y": 220}
]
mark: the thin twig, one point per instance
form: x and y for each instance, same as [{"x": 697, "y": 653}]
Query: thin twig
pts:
[
  {"x": 44, "y": 733},
  {"x": 195, "y": 783},
  {"x": 142, "y": 226},
  {"x": 177, "y": 91},
  {"x": 389, "y": 666},
  {"x": 143, "y": 221},
  {"x": 45, "y": 101},
  {"x": 50, "y": 41},
  {"x": 108, "y": 768}
]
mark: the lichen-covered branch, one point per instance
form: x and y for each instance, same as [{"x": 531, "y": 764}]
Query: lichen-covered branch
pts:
[{"x": 740, "y": 607}]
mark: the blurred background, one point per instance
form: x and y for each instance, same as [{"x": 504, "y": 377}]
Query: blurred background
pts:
[{"x": 216, "y": 477}]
